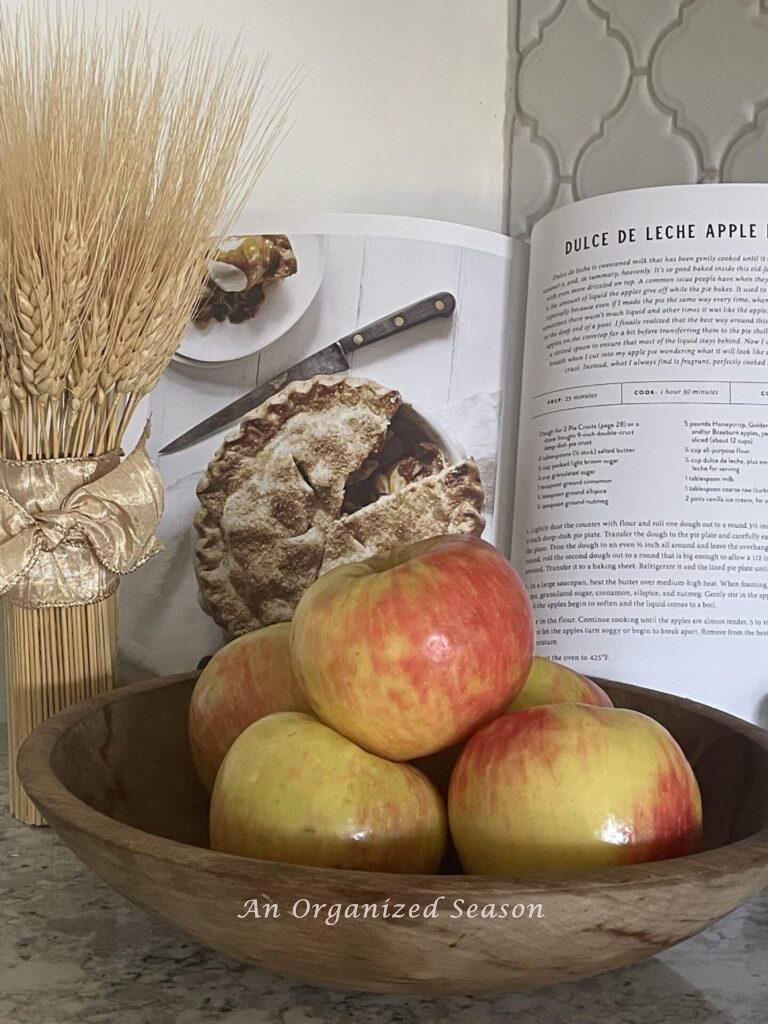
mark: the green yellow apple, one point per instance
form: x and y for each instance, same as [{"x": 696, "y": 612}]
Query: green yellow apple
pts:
[
  {"x": 409, "y": 652},
  {"x": 571, "y": 787},
  {"x": 249, "y": 678},
  {"x": 549, "y": 682},
  {"x": 291, "y": 789}
]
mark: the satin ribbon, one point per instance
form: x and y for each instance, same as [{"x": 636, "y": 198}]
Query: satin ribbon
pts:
[{"x": 70, "y": 527}]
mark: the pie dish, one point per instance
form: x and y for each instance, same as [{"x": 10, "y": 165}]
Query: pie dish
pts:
[{"x": 329, "y": 470}]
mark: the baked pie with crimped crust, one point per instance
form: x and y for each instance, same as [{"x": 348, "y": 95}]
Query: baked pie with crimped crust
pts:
[{"x": 329, "y": 470}]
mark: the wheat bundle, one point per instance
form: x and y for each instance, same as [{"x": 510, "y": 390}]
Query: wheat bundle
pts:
[{"x": 123, "y": 159}]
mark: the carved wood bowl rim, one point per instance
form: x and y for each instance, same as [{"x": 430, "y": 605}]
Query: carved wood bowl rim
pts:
[{"x": 61, "y": 807}]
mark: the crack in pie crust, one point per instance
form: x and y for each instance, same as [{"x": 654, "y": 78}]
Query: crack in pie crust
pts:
[{"x": 327, "y": 471}]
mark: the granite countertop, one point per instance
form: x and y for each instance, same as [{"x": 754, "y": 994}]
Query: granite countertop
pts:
[{"x": 72, "y": 949}]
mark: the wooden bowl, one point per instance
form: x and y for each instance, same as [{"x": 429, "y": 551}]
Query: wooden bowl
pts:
[{"x": 113, "y": 777}]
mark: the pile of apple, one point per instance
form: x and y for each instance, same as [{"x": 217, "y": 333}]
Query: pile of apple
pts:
[{"x": 403, "y": 703}]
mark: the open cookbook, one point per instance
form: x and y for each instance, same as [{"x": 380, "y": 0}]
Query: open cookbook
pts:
[
  {"x": 610, "y": 384},
  {"x": 640, "y": 517}
]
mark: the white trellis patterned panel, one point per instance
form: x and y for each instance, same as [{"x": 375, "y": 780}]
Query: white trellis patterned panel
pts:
[{"x": 618, "y": 94}]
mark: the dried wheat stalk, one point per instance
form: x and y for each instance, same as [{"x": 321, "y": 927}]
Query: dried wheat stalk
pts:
[{"x": 123, "y": 160}]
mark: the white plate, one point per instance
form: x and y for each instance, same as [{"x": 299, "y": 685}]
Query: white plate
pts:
[{"x": 284, "y": 303}]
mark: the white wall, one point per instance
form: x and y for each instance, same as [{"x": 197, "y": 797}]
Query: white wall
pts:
[{"x": 403, "y": 109}]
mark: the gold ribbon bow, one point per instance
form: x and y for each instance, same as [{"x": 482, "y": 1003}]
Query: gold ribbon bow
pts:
[{"x": 70, "y": 527}]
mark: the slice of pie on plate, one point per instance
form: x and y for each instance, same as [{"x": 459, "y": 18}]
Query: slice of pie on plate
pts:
[
  {"x": 330, "y": 470},
  {"x": 243, "y": 268}
]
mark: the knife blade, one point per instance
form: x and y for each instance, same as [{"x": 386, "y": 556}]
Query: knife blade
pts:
[{"x": 334, "y": 358}]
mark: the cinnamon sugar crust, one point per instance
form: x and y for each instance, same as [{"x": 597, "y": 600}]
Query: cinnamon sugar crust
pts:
[{"x": 275, "y": 499}]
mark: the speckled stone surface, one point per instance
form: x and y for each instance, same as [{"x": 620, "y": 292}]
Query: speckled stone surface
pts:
[{"x": 73, "y": 950}]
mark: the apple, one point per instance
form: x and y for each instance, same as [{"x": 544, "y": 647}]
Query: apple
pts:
[
  {"x": 291, "y": 789},
  {"x": 249, "y": 678},
  {"x": 571, "y": 787},
  {"x": 409, "y": 651},
  {"x": 549, "y": 682}
]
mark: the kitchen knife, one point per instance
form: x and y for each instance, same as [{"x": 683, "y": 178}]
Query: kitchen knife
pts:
[{"x": 334, "y": 358}]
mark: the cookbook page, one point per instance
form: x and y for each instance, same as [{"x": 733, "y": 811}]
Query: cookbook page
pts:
[
  {"x": 641, "y": 512},
  {"x": 349, "y": 271}
]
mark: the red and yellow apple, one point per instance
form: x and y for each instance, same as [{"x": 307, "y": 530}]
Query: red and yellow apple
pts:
[
  {"x": 549, "y": 682},
  {"x": 571, "y": 787},
  {"x": 290, "y": 789},
  {"x": 408, "y": 652},
  {"x": 249, "y": 678}
]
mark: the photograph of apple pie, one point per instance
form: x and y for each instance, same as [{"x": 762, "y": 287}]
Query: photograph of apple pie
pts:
[
  {"x": 329, "y": 470},
  {"x": 244, "y": 267}
]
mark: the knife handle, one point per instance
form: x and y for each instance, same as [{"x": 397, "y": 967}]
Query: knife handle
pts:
[{"x": 441, "y": 304}]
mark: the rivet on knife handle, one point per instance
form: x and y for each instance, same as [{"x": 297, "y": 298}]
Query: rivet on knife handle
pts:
[{"x": 441, "y": 304}]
